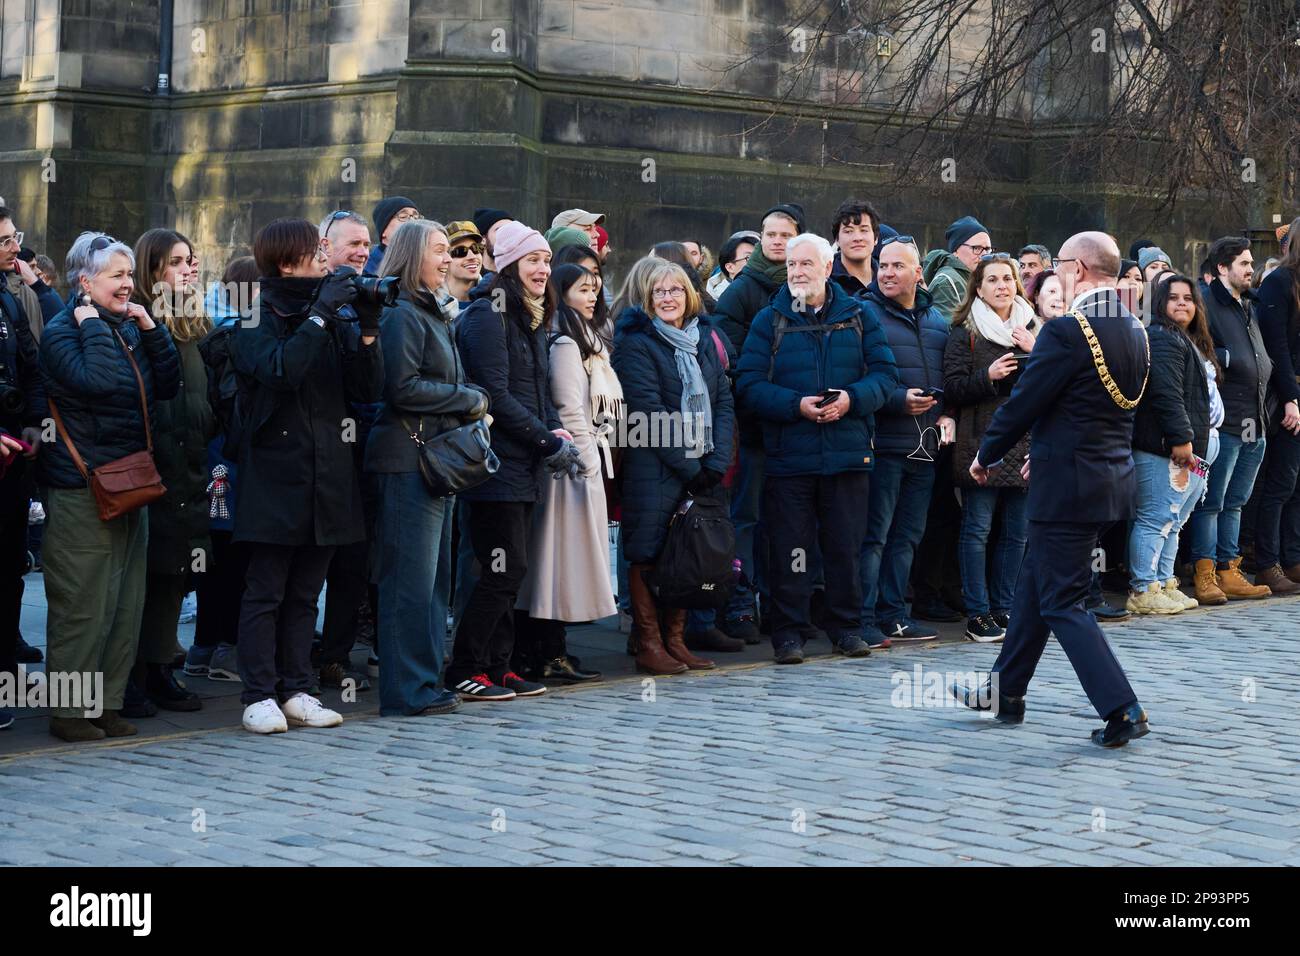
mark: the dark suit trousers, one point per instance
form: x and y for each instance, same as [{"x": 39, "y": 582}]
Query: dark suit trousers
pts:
[{"x": 1054, "y": 580}]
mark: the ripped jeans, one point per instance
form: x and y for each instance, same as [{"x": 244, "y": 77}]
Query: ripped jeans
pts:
[{"x": 1161, "y": 513}]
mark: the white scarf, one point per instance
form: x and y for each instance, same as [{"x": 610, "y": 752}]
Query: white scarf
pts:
[
  {"x": 607, "y": 405},
  {"x": 990, "y": 325}
]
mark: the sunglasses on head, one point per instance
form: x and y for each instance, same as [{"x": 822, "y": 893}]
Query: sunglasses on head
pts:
[
  {"x": 335, "y": 216},
  {"x": 460, "y": 252},
  {"x": 100, "y": 243},
  {"x": 907, "y": 239},
  {"x": 995, "y": 256}
]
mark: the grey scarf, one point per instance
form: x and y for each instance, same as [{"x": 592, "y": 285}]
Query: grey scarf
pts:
[{"x": 697, "y": 410}]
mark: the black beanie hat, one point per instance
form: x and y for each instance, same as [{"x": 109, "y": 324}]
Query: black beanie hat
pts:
[
  {"x": 386, "y": 209},
  {"x": 485, "y": 219},
  {"x": 791, "y": 209},
  {"x": 961, "y": 230}
]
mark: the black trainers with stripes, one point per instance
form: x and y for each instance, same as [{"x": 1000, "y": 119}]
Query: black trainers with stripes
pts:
[
  {"x": 479, "y": 687},
  {"x": 522, "y": 688}
]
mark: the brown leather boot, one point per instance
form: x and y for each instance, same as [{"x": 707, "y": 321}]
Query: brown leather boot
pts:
[
  {"x": 1234, "y": 583},
  {"x": 651, "y": 658},
  {"x": 75, "y": 730},
  {"x": 1293, "y": 573},
  {"x": 674, "y": 629},
  {"x": 113, "y": 724},
  {"x": 1208, "y": 591},
  {"x": 1276, "y": 581}
]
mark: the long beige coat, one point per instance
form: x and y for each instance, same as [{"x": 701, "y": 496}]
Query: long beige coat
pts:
[{"x": 568, "y": 553}]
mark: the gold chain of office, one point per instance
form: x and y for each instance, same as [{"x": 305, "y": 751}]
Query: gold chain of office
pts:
[{"x": 1103, "y": 372}]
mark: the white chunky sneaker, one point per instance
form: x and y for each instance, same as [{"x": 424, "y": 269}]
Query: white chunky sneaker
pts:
[
  {"x": 264, "y": 717},
  {"x": 304, "y": 710}
]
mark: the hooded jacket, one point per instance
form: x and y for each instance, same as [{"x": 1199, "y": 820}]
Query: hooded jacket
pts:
[
  {"x": 805, "y": 364},
  {"x": 946, "y": 277}
]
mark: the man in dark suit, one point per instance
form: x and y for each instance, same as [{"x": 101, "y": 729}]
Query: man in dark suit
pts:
[{"x": 1078, "y": 407}]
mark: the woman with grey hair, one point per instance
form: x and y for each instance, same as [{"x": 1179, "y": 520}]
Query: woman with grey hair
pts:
[
  {"x": 105, "y": 361},
  {"x": 425, "y": 393}
]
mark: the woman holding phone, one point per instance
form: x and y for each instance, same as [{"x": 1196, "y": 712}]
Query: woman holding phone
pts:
[{"x": 992, "y": 335}]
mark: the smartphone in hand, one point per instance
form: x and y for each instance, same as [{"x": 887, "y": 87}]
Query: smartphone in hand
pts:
[{"x": 828, "y": 397}]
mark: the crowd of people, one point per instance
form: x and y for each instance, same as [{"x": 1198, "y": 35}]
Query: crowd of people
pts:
[{"x": 265, "y": 438}]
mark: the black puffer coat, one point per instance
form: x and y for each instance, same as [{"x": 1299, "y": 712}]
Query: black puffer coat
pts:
[
  {"x": 298, "y": 484},
  {"x": 654, "y": 479},
  {"x": 1176, "y": 406},
  {"x": 970, "y": 396},
  {"x": 89, "y": 377},
  {"x": 508, "y": 360}
]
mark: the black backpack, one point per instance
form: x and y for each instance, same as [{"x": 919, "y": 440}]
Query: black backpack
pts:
[
  {"x": 227, "y": 392},
  {"x": 695, "y": 569},
  {"x": 781, "y": 325}
]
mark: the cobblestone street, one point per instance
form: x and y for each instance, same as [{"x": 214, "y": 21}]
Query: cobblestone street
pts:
[{"x": 752, "y": 764}]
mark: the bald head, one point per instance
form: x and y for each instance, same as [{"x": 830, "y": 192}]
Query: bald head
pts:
[
  {"x": 899, "y": 272},
  {"x": 1097, "y": 254}
]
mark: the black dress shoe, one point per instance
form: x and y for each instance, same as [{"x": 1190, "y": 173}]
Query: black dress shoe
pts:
[
  {"x": 743, "y": 628},
  {"x": 1010, "y": 710},
  {"x": 934, "y": 611},
  {"x": 162, "y": 687},
  {"x": 564, "y": 670},
  {"x": 714, "y": 640},
  {"x": 1128, "y": 723},
  {"x": 24, "y": 653}
]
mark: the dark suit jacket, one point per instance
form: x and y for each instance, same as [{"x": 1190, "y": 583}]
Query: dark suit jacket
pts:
[{"x": 1081, "y": 459}]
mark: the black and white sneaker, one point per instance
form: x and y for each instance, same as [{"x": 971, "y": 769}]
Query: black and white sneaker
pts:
[
  {"x": 479, "y": 687},
  {"x": 900, "y": 632},
  {"x": 1002, "y": 619},
  {"x": 522, "y": 688},
  {"x": 984, "y": 630}
]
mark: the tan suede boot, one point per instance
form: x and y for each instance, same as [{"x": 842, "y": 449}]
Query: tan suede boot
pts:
[
  {"x": 1234, "y": 583},
  {"x": 1208, "y": 591}
]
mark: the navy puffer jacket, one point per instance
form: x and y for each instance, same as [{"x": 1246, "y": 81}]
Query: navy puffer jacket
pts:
[
  {"x": 807, "y": 363},
  {"x": 508, "y": 360},
  {"x": 89, "y": 377},
  {"x": 654, "y": 478},
  {"x": 917, "y": 337}
]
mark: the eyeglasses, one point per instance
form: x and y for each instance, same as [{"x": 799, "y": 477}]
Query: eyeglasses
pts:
[
  {"x": 1056, "y": 263},
  {"x": 407, "y": 217},
  {"x": 16, "y": 240},
  {"x": 676, "y": 292},
  {"x": 978, "y": 250},
  {"x": 99, "y": 243},
  {"x": 335, "y": 216},
  {"x": 460, "y": 252},
  {"x": 995, "y": 256}
]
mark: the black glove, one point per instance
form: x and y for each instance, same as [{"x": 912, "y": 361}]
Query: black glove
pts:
[
  {"x": 566, "y": 461},
  {"x": 368, "y": 314},
  {"x": 336, "y": 290},
  {"x": 704, "y": 482}
]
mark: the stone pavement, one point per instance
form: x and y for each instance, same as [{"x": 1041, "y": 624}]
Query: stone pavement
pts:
[{"x": 758, "y": 764}]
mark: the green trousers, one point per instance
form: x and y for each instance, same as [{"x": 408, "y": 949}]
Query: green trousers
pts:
[{"x": 94, "y": 590}]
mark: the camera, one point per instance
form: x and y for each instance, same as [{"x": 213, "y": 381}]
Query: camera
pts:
[{"x": 376, "y": 291}]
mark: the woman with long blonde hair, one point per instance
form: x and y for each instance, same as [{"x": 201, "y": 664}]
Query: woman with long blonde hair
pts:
[{"x": 166, "y": 284}]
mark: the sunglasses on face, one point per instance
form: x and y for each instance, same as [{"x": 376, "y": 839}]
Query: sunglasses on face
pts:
[{"x": 460, "y": 252}]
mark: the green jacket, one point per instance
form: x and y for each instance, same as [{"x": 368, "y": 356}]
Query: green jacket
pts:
[
  {"x": 946, "y": 277},
  {"x": 182, "y": 428}
]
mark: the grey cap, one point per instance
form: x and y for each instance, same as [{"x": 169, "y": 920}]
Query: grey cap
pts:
[{"x": 1152, "y": 254}]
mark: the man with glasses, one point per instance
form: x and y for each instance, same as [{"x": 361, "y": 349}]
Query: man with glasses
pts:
[
  {"x": 947, "y": 273},
  {"x": 910, "y": 429},
  {"x": 345, "y": 241},
  {"x": 466, "y": 270},
  {"x": 1076, "y": 397},
  {"x": 389, "y": 213},
  {"x": 813, "y": 373},
  {"x": 38, "y": 302}
]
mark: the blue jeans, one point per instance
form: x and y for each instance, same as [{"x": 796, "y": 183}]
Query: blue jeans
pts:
[
  {"x": 896, "y": 511},
  {"x": 1216, "y": 522},
  {"x": 978, "y": 505},
  {"x": 1277, "y": 524},
  {"x": 1161, "y": 513},
  {"x": 412, "y": 608}
]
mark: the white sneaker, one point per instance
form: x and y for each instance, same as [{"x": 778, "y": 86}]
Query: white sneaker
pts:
[
  {"x": 304, "y": 710},
  {"x": 1151, "y": 601},
  {"x": 264, "y": 717},
  {"x": 1172, "y": 591}
]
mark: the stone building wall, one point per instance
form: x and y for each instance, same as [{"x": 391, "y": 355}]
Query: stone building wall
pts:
[{"x": 674, "y": 117}]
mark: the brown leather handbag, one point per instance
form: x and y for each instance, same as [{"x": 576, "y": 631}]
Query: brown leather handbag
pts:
[{"x": 124, "y": 484}]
